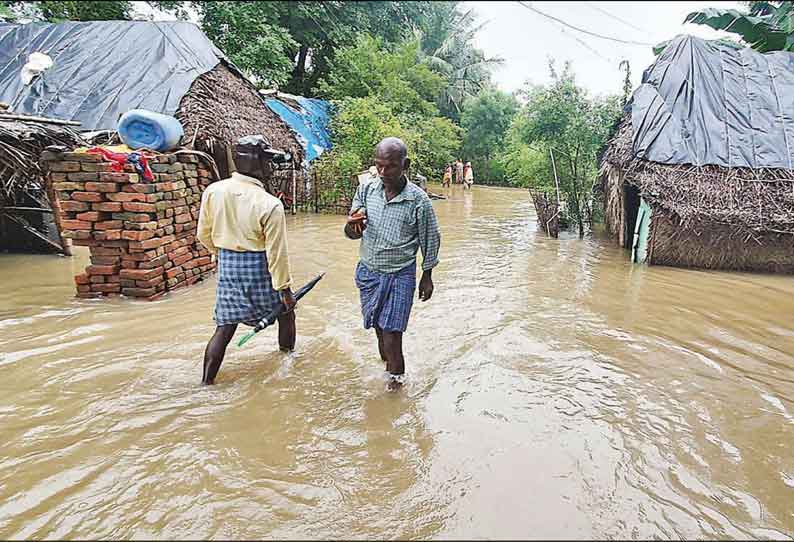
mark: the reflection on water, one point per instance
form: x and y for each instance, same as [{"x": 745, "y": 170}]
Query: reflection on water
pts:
[{"x": 554, "y": 391}]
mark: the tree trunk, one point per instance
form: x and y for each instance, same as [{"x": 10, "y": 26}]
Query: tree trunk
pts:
[
  {"x": 320, "y": 64},
  {"x": 299, "y": 72}
]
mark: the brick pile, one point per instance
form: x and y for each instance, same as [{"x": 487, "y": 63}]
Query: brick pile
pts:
[{"x": 141, "y": 234}]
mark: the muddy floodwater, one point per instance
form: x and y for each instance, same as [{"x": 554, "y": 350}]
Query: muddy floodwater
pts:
[{"x": 554, "y": 391}]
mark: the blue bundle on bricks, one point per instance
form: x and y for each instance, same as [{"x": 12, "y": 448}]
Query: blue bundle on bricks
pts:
[{"x": 142, "y": 129}]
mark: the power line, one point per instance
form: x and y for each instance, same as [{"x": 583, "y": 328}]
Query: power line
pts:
[
  {"x": 619, "y": 19},
  {"x": 586, "y": 46},
  {"x": 560, "y": 21}
]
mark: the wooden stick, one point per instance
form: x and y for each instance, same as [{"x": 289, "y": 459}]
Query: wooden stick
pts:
[
  {"x": 556, "y": 180},
  {"x": 44, "y": 120},
  {"x": 55, "y": 205},
  {"x": 37, "y": 209}
]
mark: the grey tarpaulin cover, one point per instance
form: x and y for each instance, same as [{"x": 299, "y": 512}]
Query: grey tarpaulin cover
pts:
[
  {"x": 703, "y": 103},
  {"x": 103, "y": 69}
]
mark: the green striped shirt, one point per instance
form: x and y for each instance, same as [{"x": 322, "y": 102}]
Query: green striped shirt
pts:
[{"x": 397, "y": 229}]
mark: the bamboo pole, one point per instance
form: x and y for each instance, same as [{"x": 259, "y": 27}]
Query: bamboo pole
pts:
[
  {"x": 294, "y": 193},
  {"x": 556, "y": 179},
  {"x": 43, "y": 120}
]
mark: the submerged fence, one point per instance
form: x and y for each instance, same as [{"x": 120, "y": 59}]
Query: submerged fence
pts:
[{"x": 319, "y": 193}]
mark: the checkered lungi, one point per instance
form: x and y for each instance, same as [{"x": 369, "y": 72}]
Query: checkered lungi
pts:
[
  {"x": 245, "y": 291},
  {"x": 386, "y": 298}
]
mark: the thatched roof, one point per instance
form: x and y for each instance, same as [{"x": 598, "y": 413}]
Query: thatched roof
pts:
[
  {"x": 710, "y": 137},
  {"x": 222, "y": 106},
  {"x": 21, "y": 144},
  {"x": 103, "y": 69},
  {"x": 752, "y": 200}
]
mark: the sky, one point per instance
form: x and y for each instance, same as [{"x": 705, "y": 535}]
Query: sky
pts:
[{"x": 525, "y": 40}]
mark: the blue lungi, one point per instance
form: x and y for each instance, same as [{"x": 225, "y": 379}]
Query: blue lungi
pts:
[
  {"x": 245, "y": 291},
  {"x": 386, "y": 298}
]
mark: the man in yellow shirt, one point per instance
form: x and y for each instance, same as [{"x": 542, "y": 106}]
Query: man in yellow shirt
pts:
[{"x": 245, "y": 227}]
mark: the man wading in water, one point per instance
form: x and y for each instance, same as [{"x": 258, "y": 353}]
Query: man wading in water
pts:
[
  {"x": 394, "y": 219},
  {"x": 245, "y": 227}
]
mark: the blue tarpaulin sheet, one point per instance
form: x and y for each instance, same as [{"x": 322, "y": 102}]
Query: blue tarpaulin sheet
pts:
[{"x": 309, "y": 122}]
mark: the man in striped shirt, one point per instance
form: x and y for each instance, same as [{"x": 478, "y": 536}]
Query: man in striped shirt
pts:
[{"x": 394, "y": 220}]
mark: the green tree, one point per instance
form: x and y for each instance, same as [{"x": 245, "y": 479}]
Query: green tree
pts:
[
  {"x": 563, "y": 118},
  {"x": 305, "y": 34},
  {"x": 436, "y": 143},
  {"x": 246, "y": 33},
  {"x": 398, "y": 77},
  {"x": 63, "y": 10},
  {"x": 766, "y": 26},
  {"x": 485, "y": 121},
  {"x": 382, "y": 90},
  {"x": 446, "y": 36}
]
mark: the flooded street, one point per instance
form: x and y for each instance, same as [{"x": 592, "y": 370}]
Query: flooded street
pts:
[{"x": 554, "y": 391}]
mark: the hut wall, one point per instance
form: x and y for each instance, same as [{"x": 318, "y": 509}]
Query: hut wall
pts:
[
  {"x": 141, "y": 234},
  {"x": 714, "y": 246},
  {"x": 621, "y": 204}
]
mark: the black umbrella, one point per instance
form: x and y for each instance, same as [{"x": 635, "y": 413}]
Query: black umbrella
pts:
[{"x": 273, "y": 316}]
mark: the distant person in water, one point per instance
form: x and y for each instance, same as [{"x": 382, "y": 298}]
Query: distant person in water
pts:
[
  {"x": 468, "y": 176},
  {"x": 245, "y": 227},
  {"x": 459, "y": 172},
  {"x": 447, "y": 180},
  {"x": 394, "y": 220}
]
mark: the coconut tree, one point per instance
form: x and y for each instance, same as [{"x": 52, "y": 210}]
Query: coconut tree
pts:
[{"x": 447, "y": 43}]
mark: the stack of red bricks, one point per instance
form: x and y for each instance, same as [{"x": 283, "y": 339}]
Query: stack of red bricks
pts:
[{"x": 141, "y": 234}]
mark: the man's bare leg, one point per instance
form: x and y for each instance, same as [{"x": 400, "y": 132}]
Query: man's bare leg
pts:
[
  {"x": 395, "y": 362},
  {"x": 381, "y": 348},
  {"x": 216, "y": 350},
  {"x": 286, "y": 332}
]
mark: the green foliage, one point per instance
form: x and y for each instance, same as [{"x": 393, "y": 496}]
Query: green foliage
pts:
[
  {"x": 527, "y": 166},
  {"x": 302, "y": 38},
  {"x": 398, "y": 77},
  {"x": 6, "y": 13},
  {"x": 63, "y": 10},
  {"x": 446, "y": 37},
  {"x": 485, "y": 121},
  {"x": 383, "y": 92},
  {"x": 560, "y": 117},
  {"x": 768, "y": 26},
  {"x": 362, "y": 122},
  {"x": 435, "y": 143},
  {"x": 240, "y": 29}
]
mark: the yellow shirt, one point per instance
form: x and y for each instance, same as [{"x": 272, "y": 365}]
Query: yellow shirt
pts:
[{"x": 239, "y": 214}]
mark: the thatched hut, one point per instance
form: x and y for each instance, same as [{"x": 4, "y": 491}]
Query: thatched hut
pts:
[
  {"x": 103, "y": 69},
  {"x": 27, "y": 222},
  {"x": 700, "y": 172}
]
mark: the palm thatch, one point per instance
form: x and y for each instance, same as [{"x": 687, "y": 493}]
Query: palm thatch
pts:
[
  {"x": 25, "y": 201},
  {"x": 222, "y": 106},
  {"x": 21, "y": 144},
  {"x": 707, "y": 216},
  {"x": 753, "y": 201}
]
